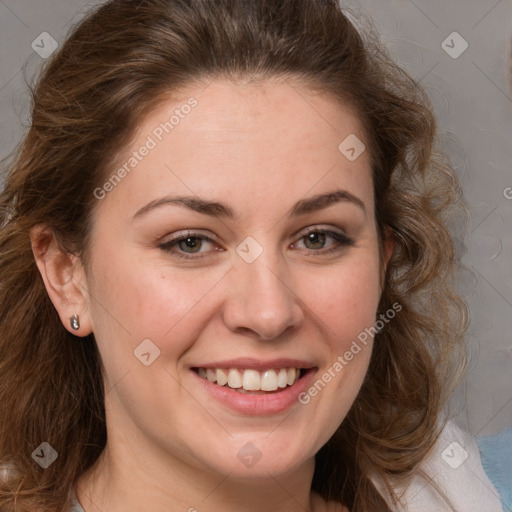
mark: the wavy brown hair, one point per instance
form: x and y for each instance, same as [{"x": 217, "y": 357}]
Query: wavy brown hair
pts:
[{"x": 113, "y": 69}]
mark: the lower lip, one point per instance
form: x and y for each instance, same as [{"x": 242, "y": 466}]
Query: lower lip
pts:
[{"x": 271, "y": 403}]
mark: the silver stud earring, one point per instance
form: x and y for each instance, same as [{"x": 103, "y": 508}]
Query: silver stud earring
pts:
[{"x": 75, "y": 322}]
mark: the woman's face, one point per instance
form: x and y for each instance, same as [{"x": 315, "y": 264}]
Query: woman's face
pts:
[{"x": 247, "y": 294}]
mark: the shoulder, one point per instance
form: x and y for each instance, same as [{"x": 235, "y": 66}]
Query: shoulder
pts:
[{"x": 454, "y": 465}]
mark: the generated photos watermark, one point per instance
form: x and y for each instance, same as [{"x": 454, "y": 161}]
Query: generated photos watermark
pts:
[
  {"x": 157, "y": 135},
  {"x": 343, "y": 360}
]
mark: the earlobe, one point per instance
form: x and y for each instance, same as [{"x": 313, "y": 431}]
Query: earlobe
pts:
[{"x": 64, "y": 280}]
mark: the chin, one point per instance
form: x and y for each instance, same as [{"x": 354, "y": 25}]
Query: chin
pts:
[{"x": 252, "y": 459}]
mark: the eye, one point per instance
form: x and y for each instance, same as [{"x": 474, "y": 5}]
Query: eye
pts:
[
  {"x": 191, "y": 243},
  {"x": 189, "y": 246},
  {"x": 315, "y": 240}
]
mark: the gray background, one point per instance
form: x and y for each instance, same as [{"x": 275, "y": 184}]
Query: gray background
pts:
[{"x": 473, "y": 100}]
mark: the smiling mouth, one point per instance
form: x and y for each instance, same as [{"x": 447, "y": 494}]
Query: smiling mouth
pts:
[{"x": 251, "y": 381}]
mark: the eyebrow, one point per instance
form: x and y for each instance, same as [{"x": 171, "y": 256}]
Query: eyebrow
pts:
[{"x": 216, "y": 209}]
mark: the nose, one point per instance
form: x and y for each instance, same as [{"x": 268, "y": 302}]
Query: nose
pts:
[{"x": 261, "y": 300}]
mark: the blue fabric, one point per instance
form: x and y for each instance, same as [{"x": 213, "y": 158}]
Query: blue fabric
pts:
[{"x": 496, "y": 454}]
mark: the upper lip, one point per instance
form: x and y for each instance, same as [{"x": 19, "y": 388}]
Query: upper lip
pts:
[{"x": 249, "y": 363}]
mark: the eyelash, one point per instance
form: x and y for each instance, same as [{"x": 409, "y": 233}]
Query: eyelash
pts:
[{"x": 341, "y": 242}]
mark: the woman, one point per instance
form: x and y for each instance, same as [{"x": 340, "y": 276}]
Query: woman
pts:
[{"x": 227, "y": 279}]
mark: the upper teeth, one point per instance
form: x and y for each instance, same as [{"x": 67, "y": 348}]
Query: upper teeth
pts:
[{"x": 252, "y": 380}]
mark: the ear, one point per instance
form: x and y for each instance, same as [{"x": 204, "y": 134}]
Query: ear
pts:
[
  {"x": 389, "y": 248},
  {"x": 64, "y": 279},
  {"x": 389, "y": 245}
]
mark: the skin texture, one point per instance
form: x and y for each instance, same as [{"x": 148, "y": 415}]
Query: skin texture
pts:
[{"x": 258, "y": 148}]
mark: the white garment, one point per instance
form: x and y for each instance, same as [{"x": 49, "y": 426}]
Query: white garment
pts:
[{"x": 455, "y": 466}]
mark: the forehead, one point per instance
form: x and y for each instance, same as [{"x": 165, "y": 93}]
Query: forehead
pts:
[
  {"x": 273, "y": 104},
  {"x": 225, "y": 111},
  {"x": 221, "y": 137}
]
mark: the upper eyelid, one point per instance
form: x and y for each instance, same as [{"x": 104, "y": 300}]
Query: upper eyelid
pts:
[
  {"x": 303, "y": 232},
  {"x": 188, "y": 234},
  {"x": 192, "y": 233}
]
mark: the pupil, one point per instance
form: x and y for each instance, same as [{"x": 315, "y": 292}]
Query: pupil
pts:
[
  {"x": 191, "y": 243},
  {"x": 316, "y": 238}
]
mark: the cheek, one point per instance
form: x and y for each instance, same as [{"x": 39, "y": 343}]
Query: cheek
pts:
[
  {"x": 138, "y": 298},
  {"x": 346, "y": 300},
  {"x": 149, "y": 299}
]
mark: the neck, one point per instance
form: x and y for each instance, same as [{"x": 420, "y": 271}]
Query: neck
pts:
[{"x": 119, "y": 482}]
